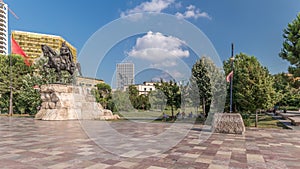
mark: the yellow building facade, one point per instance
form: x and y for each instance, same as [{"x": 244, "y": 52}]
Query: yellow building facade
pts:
[{"x": 31, "y": 42}]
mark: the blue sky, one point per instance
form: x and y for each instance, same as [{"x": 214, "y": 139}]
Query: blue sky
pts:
[{"x": 254, "y": 26}]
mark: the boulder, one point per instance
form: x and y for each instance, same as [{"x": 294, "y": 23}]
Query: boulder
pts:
[{"x": 231, "y": 123}]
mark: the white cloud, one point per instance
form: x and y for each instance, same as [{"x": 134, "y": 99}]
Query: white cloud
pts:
[
  {"x": 164, "y": 76},
  {"x": 192, "y": 12},
  {"x": 150, "y": 6},
  {"x": 156, "y": 47},
  {"x": 166, "y": 63},
  {"x": 177, "y": 74}
]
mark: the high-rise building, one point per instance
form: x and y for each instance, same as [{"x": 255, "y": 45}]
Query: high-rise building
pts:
[
  {"x": 3, "y": 28},
  {"x": 124, "y": 75},
  {"x": 31, "y": 42}
]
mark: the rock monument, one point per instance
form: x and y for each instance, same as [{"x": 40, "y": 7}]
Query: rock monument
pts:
[
  {"x": 65, "y": 101},
  {"x": 230, "y": 123}
]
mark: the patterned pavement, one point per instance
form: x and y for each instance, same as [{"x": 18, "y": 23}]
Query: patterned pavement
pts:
[{"x": 28, "y": 144}]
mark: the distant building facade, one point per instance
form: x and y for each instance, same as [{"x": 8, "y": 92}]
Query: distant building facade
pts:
[
  {"x": 124, "y": 75},
  {"x": 31, "y": 42},
  {"x": 87, "y": 81},
  {"x": 3, "y": 28},
  {"x": 144, "y": 88}
]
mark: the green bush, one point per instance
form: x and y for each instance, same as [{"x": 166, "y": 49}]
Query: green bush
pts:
[
  {"x": 292, "y": 108},
  {"x": 246, "y": 118}
]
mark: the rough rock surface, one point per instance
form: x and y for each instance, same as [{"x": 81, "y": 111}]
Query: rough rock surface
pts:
[
  {"x": 67, "y": 102},
  {"x": 231, "y": 123}
]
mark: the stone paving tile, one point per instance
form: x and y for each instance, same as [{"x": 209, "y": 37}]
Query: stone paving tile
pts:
[{"x": 31, "y": 144}]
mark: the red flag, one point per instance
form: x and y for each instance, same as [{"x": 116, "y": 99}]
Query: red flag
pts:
[
  {"x": 16, "y": 49},
  {"x": 229, "y": 76}
]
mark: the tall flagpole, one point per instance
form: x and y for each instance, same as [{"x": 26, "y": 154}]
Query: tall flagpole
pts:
[
  {"x": 231, "y": 78},
  {"x": 11, "y": 88},
  {"x": 10, "y": 74}
]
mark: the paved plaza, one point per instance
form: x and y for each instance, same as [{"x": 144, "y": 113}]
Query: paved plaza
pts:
[{"x": 28, "y": 143}]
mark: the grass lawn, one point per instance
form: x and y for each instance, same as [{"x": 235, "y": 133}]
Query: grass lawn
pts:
[
  {"x": 266, "y": 121},
  {"x": 153, "y": 113},
  {"x": 18, "y": 115},
  {"x": 141, "y": 114}
]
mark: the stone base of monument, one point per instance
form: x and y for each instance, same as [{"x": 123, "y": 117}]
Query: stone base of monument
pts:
[
  {"x": 231, "y": 123},
  {"x": 67, "y": 102}
]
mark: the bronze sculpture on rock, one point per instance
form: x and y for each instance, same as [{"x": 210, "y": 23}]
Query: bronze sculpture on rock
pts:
[
  {"x": 59, "y": 62},
  {"x": 67, "y": 101}
]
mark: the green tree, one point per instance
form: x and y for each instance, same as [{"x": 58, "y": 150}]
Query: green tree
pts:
[
  {"x": 185, "y": 96},
  {"x": 172, "y": 93},
  {"x": 103, "y": 95},
  {"x": 28, "y": 99},
  {"x": 291, "y": 46},
  {"x": 4, "y": 73},
  {"x": 282, "y": 85},
  {"x": 143, "y": 102},
  {"x": 289, "y": 93},
  {"x": 194, "y": 94},
  {"x": 157, "y": 100},
  {"x": 18, "y": 72},
  {"x": 202, "y": 78},
  {"x": 252, "y": 84},
  {"x": 121, "y": 101},
  {"x": 138, "y": 101},
  {"x": 293, "y": 98},
  {"x": 133, "y": 95},
  {"x": 217, "y": 84}
]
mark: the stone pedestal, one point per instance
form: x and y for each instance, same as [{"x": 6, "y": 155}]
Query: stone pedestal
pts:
[
  {"x": 67, "y": 102},
  {"x": 231, "y": 123}
]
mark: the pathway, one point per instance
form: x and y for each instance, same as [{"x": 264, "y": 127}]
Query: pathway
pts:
[{"x": 29, "y": 144}]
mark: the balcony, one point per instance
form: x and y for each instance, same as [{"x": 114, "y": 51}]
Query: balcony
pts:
[{"x": 3, "y": 16}]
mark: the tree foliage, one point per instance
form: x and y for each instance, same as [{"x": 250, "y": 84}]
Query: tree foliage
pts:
[
  {"x": 143, "y": 102},
  {"x": 19, "y": 76},
  {"x": 200, "y": 76},
  {"x": 252, "y": 84},
  {"x": 133, "y": 95},
  {"x": 209, "y": 81},
  {"x": 172, "y": 93},
  {"x": 291, "y": 46},
  {"x": 287, "y": 89},
  {"x": 138, "y": 101},
  {"x": 157, "y": 100},
  {"x": 28, "y": 99},
  {"x": 103, "y": 95},
  {"x": 121, "y": 101}
]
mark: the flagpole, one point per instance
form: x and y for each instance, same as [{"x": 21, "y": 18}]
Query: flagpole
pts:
[
  {"x": 10, "y": 86},
  {"x": 231, "y": 78}
]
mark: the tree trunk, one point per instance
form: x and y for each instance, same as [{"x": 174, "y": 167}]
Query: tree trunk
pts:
[
  {"x": 256, "y": 119},
  {"x": 172, "y": 112},
  {"x": 11, "y": 102},
  {"x": 203, "y": 106}
]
